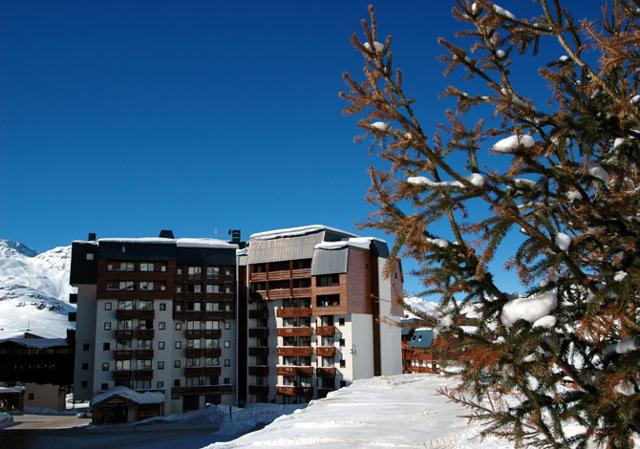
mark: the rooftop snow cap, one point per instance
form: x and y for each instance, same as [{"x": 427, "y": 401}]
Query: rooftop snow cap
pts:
[{"x": 166, "y": 233}]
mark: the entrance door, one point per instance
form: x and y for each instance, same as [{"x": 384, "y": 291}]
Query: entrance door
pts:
[
  {"x": 115, "y": 414},
  {"x": 190, "y": 402}
]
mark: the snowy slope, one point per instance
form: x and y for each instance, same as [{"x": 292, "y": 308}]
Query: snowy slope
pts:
[
  {"x": 34, "y": 290},
  {"x": 419, "y": 305},
  {"x": 398, "y": 412}
]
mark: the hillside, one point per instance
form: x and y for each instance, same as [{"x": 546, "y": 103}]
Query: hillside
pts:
[{"x": 34, "y": 290}]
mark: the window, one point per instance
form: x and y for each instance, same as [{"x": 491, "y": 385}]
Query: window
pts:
[
  {"x": 161, "y": 325},
  {"x": 163, "y": 268},
  {"x": 213, "y": 271},
  {"x": 85, "y": 366},
  {"x": 85, "y": 347},
  {"x": 227, "y": 325},
  {"x": 105, "y": 366},
  {"x": 328, "y": 300},
  {"x": 159, "y": 384},
  {"x": 160, "y": 364},
  {"x": 161, "y": 345},
  {"x": 163, "y": 286},
  {"x": 123, "y": 344},
  {"x": 145, "y": 344},
  {"x": 197, "y": 288},
  {"x": 163, "y": 306},
  {"x": 227, "y": 380},
  {"x": 83, "y": 383},
  {"x": 107, "y": 306},
  {"x": 178, "y": 288},
  {"x": 211, "y": 325},
  {"x": 107, "y": 325},
  {"x": 193, "y": 343},
  {"x": 211, "y": 343},
  {"x": 328, "y": 280},
  {"x": 195, "y": 271},
  {"x": 176, "y": 363},
  {"x": 88, "y": 256},
  {"x": 193, "y": 325},
  {"x": 227, "y": 344},
  {"x": 342, "y": 342},
  {"x": 104, "y": 387},
  {"x": 120, "y": 266},
  {"x": 213, "y": 288},
  {"x": 301, "y": 264},
  {"x": 123, "y": 365},
  {"x": 178, "y": 344},
  {"x": 227, "y": 362},
  {"x": 176, "y": 382},
  {"x": 341, "y": 321},
  {"x": 343, "y": 363},
  {"x": 106, "y": 346},
  {"x": 146, "y": 266},
  {"x": 178, "y": 326},
  {"x": 193, "y": 362},
  {"x": 145, "y": 305},
  {"x": 178, "y": 271},
  {"x": 326, "y": 320},
  {"x": 146, "y": 285},
  {"x": 143, "y": 364},
  {"x": 125, "y": 305}
]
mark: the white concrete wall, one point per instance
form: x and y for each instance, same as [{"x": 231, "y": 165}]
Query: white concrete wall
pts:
[
  {"x": 390, "y": 329},
  {"x": 85, "y": 334},
  {"x": 359, "y": 348},
  {"x": 44, "y": 396}
]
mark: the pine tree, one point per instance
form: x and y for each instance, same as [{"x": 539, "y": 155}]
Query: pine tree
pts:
[{"x": 557, "y": 366}]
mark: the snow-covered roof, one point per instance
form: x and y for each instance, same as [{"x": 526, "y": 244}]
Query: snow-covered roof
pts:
[
  {"x": 16, "y": 389},
  {"x": 297, "y": 231},
  {"x": 242, "y": 252},
  {"x": 181, "y": 243},
  {"x": 37, "y": 343},
  {"x": 356, "y": 242},
  {"x": 148, "y": 397}
]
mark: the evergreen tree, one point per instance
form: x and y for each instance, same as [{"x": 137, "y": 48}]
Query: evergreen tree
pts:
[{"x": 557, "y": 366}]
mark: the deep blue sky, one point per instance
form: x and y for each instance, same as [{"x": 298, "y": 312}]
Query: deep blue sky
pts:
[{"x": 124, "y": 117}]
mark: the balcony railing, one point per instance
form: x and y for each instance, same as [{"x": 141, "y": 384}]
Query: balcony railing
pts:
[
  {"x": 261, "y": 313},
  {"x": 140, "y": 374},
  {"x": 259, "y": 389},
  {"x": 124, "y": 334},
  {"x": 287, "y": 390},
  {"x": 202, "y": 333},
  {"x": 202, "y": 352},
  {"x": 262, "y": 332},
  {"x": 326, "y": 371},
  {"x": 326, "y": 331},
  {"x": 126, "y": 354},
  {"x": 259, "y": 351},
  {"x": 132, "y": 314},
  {"x": 201, "y": 389},
  {"x": 259, "y": 370},
  {"x": 294, "y": 370},
  {"x": 301, "y": 292},
  {"x": 258, "y": 277},
  {"x": 301, "y": 273},
  {"x": 293, "y": 312},
  {"x": 326, "y": 351},
  {"x": 294, "y": 332},
  {"x": 278, "y": 293},
  {"x": 202, "y": 371},
  {"x": 295, "y": 351}
]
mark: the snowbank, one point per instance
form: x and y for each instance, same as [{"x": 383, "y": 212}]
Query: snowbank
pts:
[{"x": 403, "y": 411}]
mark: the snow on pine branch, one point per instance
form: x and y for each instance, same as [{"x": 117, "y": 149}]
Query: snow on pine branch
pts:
[
  {"x": 476, "y": 179},
  {"x": 563, "y": 241},
  {"x": 512, "y": 143},
  {"x": 376, "y": 45},
  {"x": 530, "y": 309}
]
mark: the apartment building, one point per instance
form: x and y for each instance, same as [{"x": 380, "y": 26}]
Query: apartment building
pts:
[
  {"x": 288, "y": 317},
  {"x": 156, "y": 314},
  {"x": 323, "y": 310}
]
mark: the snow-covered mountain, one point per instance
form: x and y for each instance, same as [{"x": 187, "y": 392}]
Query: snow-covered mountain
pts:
[
  {"x": 419, "y": 305},
  {"x": 34, "y": 290}
]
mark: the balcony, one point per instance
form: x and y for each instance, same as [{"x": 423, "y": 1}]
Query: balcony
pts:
[
  {"x": 294, "y": 332},
  {"x": 202, "y": 333},
  {"x": 326, "y": 351},
  {"x": 258, "y": 277},
  {"x": 262, "y": 332},
  {"x": 176, "y": 392},
  {"x": 195, "y": 315},
  {"x": 202, "y": 371},
  {"x": 259, "y": 390},
  {"x": 127, "y": 354},
  {"x": 278, "y": 293},
  {"x": 301, "y": 292},
  {"x": 259, "y": 370},
  {"x": 326, "y": 371},
  {"x": 260, "y": 351},
  {"x": 132, "y": 314},
  {"x": 124, "y": 334},
  {"x": 202, "y": 352},
  {"x": 260, "y": 313},
  {"x": 295, "y": 351},
  {"x": 293, "y": 312},
  {"x": 294, "y": 370},
  {"x": 279, "y": 275},
  {"x": 288, "y": 390},
  {"x": 301, "y": 273},
  {"x": 325, "y": 331},
  {"x": 140, "y": 374}
]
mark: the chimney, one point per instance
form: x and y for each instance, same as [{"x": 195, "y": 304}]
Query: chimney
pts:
[
  {"x": 92, "y": 237},
  {"x": 235, "y": 235},
  {"x": 167, "y": 234}
]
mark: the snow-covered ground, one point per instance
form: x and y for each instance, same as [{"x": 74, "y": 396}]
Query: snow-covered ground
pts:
[
  {"x": 34, "y": 290},
  {"x": 400, "y": 412}
]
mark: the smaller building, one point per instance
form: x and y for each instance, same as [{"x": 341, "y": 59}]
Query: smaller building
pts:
[
  {"x": 417, "y": 355},
  {"x": 121, "y": 404},
  {"x": 11, "y": 398}
]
